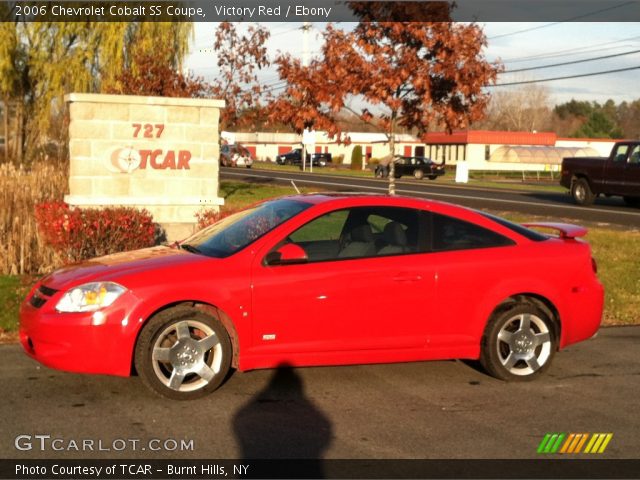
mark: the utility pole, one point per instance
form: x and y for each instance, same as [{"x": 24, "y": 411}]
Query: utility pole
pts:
[{"x": 306, "y": 27}]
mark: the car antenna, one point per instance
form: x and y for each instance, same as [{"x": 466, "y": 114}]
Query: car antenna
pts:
[{"x": 294, "y": 186}]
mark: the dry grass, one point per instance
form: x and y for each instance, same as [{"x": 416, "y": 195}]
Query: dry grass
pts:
[{"x": 21, "y": 249}]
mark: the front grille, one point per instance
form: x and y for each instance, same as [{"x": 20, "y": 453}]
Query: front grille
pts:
[
  {"x": 37, "y": 301},
  {"x": 41, "y": 296},
  {"x": 49, "y": 292}
]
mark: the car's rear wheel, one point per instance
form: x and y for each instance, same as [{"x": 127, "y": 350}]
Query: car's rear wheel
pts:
[
  {"x": 419, "y": 174},
  {"x": 432, "y": 177},
  {"x": 518, "y": 343},
  {"x": 581, "y": 192},
  {"x": 632, "y": 201},
  {"x": 183, "y": 353}
]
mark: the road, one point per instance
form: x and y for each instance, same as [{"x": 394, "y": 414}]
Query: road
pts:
[
  {"x": 559, "y": 205},
  {"x": 445, "y": 409}
]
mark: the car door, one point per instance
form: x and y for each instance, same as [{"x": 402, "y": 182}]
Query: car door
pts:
[
  {"x": 616, "y": 170},
  {"x": 632, "y": 178},
  {"x": 354, "y": 296}
]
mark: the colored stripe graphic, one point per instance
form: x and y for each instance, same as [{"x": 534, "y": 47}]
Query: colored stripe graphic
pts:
[
  {"x": 551, "y": 442},
  {"x": 573, "y": 442},
  {"x": 598, "y": 442}
]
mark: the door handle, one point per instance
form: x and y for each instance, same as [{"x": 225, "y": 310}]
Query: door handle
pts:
[{"x": 407, "y": 277}]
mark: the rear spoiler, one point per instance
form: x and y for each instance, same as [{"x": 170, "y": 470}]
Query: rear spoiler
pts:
[{"x": 565, "y": 230}]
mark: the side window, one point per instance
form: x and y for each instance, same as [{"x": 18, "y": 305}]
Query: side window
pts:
[
  {"x": 325, "y": 228},
  {"x": 634, "y": 157},
  {"x": 360, "y": 232},
  {"x": 621, "y": 153},
  {"x": 453, "y": 234}
]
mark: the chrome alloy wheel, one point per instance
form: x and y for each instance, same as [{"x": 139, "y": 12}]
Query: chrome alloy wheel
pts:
[
  {"x": 187, "y": 355},
  {"x": 523, "y": 344}
]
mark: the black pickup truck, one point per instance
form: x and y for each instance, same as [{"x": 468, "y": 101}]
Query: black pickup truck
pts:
[
  {"x": 617, "y": 174},
  {"x": 294, "y": 157}
]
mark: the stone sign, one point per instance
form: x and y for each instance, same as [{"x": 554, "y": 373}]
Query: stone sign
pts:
[{"x": 149, "y": 152}]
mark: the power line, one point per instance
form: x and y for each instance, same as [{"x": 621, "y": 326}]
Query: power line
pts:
[
  {"x": 523, "y": 31},
  {"x": 592, "y": 74},
  {"x": 571, "y": 51},
  {"x": 540, "y": 67},
  {"x": 564, "y": 21}
]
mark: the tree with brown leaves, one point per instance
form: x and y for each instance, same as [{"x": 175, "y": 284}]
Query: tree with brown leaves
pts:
[
  {"x": 392, "y": 74},
  {"x": 151, "y": 74},
  {"x": 240, "y": 56}
]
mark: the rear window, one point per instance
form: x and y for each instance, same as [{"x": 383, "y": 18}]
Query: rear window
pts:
[
  {"x": 454, "y": 234},
  {"x": 524, "y": 231}
]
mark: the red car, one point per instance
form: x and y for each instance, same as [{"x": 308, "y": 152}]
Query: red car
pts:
[{"x": 322, "y": 279}]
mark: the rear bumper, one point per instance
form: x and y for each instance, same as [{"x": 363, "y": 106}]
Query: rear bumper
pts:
[{"x": 585, "y": 314}]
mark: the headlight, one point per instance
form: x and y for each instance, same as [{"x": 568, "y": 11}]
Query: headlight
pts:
[{"x": 90, "y": 297}]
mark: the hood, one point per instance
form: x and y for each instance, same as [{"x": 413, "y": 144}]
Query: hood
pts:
[{"x": 111, "y": 266}]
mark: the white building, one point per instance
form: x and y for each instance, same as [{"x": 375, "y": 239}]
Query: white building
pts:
[{"x": 481, "y": 149}]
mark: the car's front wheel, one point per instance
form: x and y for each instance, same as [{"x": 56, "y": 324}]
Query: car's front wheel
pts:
[
  {"x": 183, "y": 353},
  {"x": 518, "y": 343}
]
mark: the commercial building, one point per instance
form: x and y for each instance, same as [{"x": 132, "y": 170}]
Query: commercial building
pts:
[{"x": 481, "y": 149}]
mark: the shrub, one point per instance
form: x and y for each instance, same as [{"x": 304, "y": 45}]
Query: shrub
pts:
[
  {"x": 337, "y": 159},
  {"x": 209, "y": 216},
  {"x": 22, "y": 250},
  {"x": 356, "y": 158},
  {"x": 78, "y": 234}
]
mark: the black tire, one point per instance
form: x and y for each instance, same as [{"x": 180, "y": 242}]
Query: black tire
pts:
[
  {"x": 418, "y": 174},
  {"x": 581, "y": 192},
  {"x": 432, "y": 177},
  {"x": 519, "y": 343},
  {"x": 176, "y": 334},
  {"x": 632, "y": 201},
  {"x": 288, "y": 161}
]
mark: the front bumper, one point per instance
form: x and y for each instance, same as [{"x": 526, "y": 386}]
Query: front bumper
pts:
[{"x": 85, "y": 342}]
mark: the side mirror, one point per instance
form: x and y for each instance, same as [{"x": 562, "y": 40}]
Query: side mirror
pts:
[{"x": 289, "y": 254}]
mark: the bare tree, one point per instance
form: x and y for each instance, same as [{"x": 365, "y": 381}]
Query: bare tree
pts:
[{"x": 524, "y": 109}]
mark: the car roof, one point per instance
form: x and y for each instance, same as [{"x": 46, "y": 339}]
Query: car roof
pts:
[
  {"x": 341, "y": 200},
  {"x": 359, "y": 199}
]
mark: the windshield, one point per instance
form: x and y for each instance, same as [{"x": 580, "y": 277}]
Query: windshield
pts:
[{"x": 235, "y": 232}]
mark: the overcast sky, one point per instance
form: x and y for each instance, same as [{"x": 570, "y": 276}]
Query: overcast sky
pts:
[{"x": 519, "y": 45}]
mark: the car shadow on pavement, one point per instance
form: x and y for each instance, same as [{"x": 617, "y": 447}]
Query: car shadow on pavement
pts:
[{"x": 281, "y": 422}]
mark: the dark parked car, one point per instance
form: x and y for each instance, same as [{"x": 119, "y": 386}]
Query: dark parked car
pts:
[
  {"x": 617, "y": 174},
  {"x": 235, "y": 155},
  {"x": 419, "y": 167},
  {"x": 294, "y": 157}
]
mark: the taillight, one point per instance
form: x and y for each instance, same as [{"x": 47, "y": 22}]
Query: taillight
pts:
[{"x": 594, "y": 265}]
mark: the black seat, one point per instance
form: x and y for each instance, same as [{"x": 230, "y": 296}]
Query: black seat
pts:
[
  {"x": 360, "y": 243},
  {"x": 396, "y": 239}
]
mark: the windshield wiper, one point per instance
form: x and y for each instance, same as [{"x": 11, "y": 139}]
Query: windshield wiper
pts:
[{"x": 190, "y": 248}]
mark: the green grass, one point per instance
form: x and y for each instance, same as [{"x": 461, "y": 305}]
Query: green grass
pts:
[
  {"x": 240, "y": 194},
  {"x": 492, "y": 180},
  {"x": 12, "y": 292}
]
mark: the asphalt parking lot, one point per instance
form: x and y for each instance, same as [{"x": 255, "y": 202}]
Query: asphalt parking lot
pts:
[{"x": 446, "y": 409}]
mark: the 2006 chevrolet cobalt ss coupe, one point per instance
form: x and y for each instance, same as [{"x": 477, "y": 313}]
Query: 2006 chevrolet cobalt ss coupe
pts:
[{"x": 322, "y": 279}]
